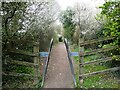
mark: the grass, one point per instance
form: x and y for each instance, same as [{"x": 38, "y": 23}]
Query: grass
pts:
[
  {"x": 97, "y": 81},
  {"x": 20, "y": 82},
  {"x": 100, "y": 81}
]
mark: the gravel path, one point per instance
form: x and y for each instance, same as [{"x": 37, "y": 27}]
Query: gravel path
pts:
[{"x": 59, "y": 73}]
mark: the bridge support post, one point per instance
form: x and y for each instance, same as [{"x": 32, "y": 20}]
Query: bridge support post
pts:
[{"x": 36, "y": 64}]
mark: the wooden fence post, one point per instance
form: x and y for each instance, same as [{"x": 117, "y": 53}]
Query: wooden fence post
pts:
[
  {"x": 36, "y": 64},
  {"x": 81, "y": 61}
]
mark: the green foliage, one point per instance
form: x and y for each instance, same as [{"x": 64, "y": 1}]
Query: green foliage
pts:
[
  {"x": 111, "y": 27},
  {"x": 68, "y": 24},
  {"x": 111, "y": 10},
  {"x": 12, "y": 19}
]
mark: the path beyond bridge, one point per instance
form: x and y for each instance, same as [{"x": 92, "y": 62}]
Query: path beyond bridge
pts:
[{"x": 59, "y": 73}]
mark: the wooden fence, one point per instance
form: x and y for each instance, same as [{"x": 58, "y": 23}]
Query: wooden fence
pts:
[
  {"x": 35, "y": 65},
  {"x": 82, "y": 54}
]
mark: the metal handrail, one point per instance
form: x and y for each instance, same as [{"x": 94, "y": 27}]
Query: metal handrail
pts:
[
  {"x": 70, "y": 62},
  {"x": 47, "y": 62}
]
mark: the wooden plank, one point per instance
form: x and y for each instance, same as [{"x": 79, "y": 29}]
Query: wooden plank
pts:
[
  {"x": 95, "y": 41},
  {"x": 22, "y": 52},
  {"x": 17, "y": 74},
  {"x": 98, "y": 61},
  {"x": 101, "y": 72},
  {"x": 20, "y": 63},
  {"x": 25, "y": 42},
  {"x": 98, "y": 51}
]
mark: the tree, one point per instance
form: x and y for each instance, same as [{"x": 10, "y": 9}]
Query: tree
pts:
[
  {"x": 111, "y": 15},
  {"x": 44, "y": 16},
  {"x": 68, "y": 23},
  {"x": 12, "y": 20},
  {"x": 85, "y": 19}
]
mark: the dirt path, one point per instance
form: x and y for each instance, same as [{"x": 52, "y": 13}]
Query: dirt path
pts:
[{"x": 59, "y": 73}]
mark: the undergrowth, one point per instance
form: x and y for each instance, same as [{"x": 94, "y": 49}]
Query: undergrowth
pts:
[{"x": 109, "y": 80}]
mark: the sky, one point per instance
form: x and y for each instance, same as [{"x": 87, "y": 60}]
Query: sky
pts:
[{"x": 65, "y": 3}]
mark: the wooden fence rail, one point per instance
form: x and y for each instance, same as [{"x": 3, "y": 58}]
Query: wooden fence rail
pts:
[
  {"x": 94, "y": 41},
  {"x": 17, "y": 74},
  {"x": 101, "y": 72},
  {"x": 20, "y": 63},
  {"x": 25, "y": 42},
  {"x": 99, "y": 50},
  {"x": 16, "y": 51},
  {"x": 98, "y": 61}
]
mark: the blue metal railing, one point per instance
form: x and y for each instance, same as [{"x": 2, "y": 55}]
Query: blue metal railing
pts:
[
  {"x": 44, "y": 54},
  {"x": 70, "y": 61}
]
